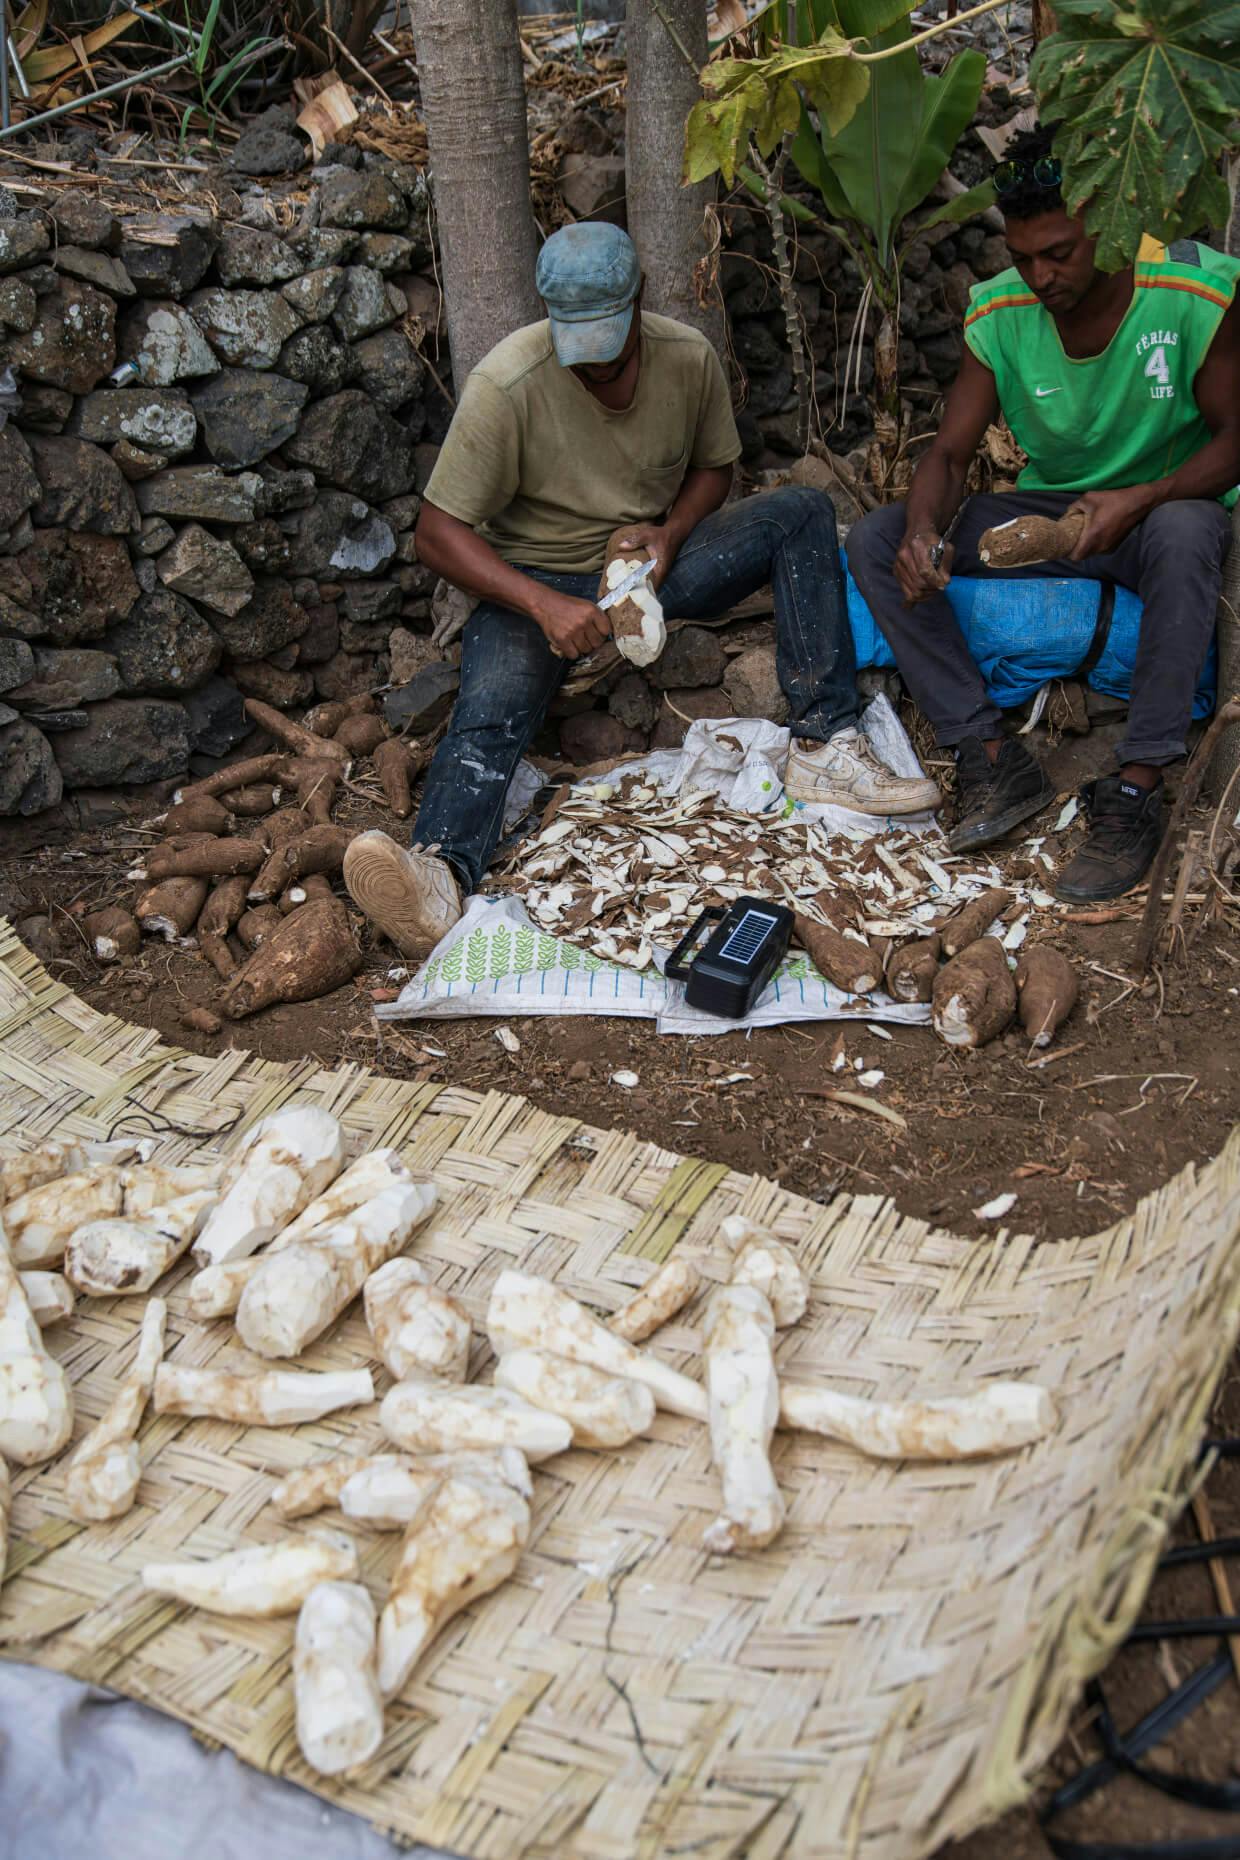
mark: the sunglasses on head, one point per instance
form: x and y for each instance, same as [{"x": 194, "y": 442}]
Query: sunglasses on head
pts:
[{"x": 1010, "y": 176}]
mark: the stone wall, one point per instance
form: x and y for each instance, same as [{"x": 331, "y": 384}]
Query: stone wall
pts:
[{"x": 209, "y": 473}]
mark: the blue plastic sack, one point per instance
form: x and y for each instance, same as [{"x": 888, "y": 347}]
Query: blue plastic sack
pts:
[{"x": 1022, "y": 633}]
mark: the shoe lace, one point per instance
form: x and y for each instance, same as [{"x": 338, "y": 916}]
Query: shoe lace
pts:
[{"x": 975, "y": 775}]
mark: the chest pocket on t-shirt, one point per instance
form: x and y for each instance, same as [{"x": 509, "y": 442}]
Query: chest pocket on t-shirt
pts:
[{"x": 660, "y": 482}]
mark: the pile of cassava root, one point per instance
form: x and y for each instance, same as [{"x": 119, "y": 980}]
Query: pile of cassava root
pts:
[
  {"x": 286, "y": 1234},
  {"x": 248, "y": 856}
]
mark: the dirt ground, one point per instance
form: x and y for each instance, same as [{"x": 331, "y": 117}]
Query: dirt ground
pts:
[{"x": 1142, "y": 1081}]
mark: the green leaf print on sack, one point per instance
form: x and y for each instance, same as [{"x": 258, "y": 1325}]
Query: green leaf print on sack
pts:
[
  {"x": 523, "y": 951},
  {"x": 548, "y": 951},
  {"x": 453, "y": 962},
  {"x": 476, "y": 956},
  {"x": 500, "y": 963}
]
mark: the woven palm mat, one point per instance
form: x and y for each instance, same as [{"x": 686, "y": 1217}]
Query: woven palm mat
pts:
[{"x": 889, "y": 1673}]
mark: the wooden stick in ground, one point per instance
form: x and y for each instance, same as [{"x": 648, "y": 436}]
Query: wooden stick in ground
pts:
[
  {"x": 1190, "y": 788},
  {"x": 302, "y": 742}
]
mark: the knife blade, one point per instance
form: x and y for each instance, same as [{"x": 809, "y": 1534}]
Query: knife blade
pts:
[{"x": 632, "y": 580}]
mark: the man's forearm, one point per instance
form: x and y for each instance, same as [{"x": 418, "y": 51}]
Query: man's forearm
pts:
[
  {"x": 935, "y": 493},
  {"x": 1209, "y": 473},
  {"x": 702, "y": 492},
  {"x": 451, "y": 549}
]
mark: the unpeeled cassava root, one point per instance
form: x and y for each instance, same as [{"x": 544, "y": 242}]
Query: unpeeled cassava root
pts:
[
  {"x": 294, "y": 736},
  {"x": 112, "y": 934},
  {"x": 313, "y": 951},
  {"x": 187, "y": 856},
  {"x": 104, "y": 1471},
  {"x": 974, "y": 995},
  {"x": 275, "y": 1398},
  {"x": 171, "y": 908},
  {"x": 1046, "y": 989},
  {"x": 999, "y": 1418},
  {"x": 320, "y": 849},
  {"x": 974, "y": 919},
  {"x": 912, "y": 967},
  {"x": 1031, "y": 539},
  {"x": 228, "y": 780},
  {"x": 339, "y": 1709},
  {"x": 218, "y": 916},
  {"x": 529, "y": 1312},
  {"x": 260, "y": 1581},
  {"x": 846, "y": 963}
]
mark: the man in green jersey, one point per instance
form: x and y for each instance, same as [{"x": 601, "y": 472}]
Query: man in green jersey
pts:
[{"x": 1124, "y": 391}]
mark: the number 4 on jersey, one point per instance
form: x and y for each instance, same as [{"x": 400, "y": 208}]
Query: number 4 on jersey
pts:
[{"x": 1156, "y": 369}]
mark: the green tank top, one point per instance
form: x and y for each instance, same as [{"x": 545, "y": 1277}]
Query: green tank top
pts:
[{"x": 1127, "y": 416}]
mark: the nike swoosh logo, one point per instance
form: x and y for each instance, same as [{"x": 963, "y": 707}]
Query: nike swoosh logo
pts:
[{"x": 1043, "y": 392}]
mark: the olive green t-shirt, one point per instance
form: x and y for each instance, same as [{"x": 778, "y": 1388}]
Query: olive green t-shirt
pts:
[{"x": 544, "y": 472}]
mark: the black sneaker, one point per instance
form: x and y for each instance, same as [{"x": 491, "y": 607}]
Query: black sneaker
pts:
[
  {"x": 994, "y": 797},
  {"x": 1125, "y": 830}
]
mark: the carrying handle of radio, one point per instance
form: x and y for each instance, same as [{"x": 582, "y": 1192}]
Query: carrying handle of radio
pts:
[{"x": 677, "y": 967}]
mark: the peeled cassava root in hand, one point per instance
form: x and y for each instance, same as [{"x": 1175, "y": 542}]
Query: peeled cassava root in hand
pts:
[
  {"x": 1031, "y": 539},
  {"x": 313, "y": 952},
  {"x": 974, "y": 995},
  {"x": 637, "y": 623},
  {"x": 845, "y": 962},
  {"x": 1046, "y": 988}
]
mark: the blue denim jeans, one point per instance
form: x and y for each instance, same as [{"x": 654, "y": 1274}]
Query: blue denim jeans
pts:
[{"x": 509, "y": 674}]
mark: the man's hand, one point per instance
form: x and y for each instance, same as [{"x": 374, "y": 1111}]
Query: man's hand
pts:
[
  {"x": 573, "y": 627},
  {"x": 654, "y": 540},
  {"x": 1109, "y": 516},
  {"x": 915, "y": 572}
]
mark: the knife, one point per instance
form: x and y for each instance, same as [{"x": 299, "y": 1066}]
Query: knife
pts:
[
  {"x": 939, "y": 549},
  {"x": 632, "y": 580}
]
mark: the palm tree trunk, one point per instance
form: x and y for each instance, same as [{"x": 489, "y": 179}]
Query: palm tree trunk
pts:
[
  {"x": 673, "y": 227},
  {"x": 473, "y": 94}
]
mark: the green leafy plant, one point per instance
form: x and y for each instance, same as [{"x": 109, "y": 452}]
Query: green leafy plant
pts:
[
  {"x": 1147, "y": 93},
  {"x": 216, "y": 87},
  {"x": 869, "y": 130}
]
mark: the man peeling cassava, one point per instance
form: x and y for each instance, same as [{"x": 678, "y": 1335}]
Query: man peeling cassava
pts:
[
  {"x": 604, "y": 416},
  {"x": 1124, "y": 391}
]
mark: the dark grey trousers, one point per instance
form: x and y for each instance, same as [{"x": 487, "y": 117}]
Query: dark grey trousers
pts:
[{"x": 1173, "y": 560}]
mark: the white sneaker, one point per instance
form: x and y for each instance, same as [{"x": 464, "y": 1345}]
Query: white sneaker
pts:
[
  {"x": 407, "y": 893},
  {"x": 845, "y": 772}
]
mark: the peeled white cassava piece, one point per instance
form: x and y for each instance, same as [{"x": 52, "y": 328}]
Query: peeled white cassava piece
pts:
[
  {"x": 295, "y": 1293},
  {"x": 467, "y": 1541},
  {"x": 49, "y": 1295},
  {"x": 216, "y": 1290},
  {"x": 27, "y": 1169},
  {"x": 637, "y": 623},
  {"x": 602, "y": 1410},
  {"x": 997, "y": 1419},
  {"x": 274, "y": 1398},
  {"x": 336, "y": 1680},
  {"x": 666, "y": 1291},
  {"x": 439, "y": 1417},
  {"x": 390, "y": 1480},
  {"x": 284, "y": 1162},
  {"x": 526, "y": 1312},
  {"x": 103, "y": 1473},
  {"x": 40, "y": 1222},
  {"x": 761, "y": 1260},
  {"x": 124, "y": 1255},
  {"x": 36, "y": 1400},
  {"x": 262, "y": 1580},
  {"x": 744, "y": 1406},
  {"x": 417, "y": 1329}
]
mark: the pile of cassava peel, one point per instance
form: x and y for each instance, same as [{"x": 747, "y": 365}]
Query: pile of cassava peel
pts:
[{"x": 287, "y": 1234}]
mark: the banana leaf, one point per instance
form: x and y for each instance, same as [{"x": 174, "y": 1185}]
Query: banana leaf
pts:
[
  {"x": 949, "y": 103},
  {"x": 53, "y": 60}
]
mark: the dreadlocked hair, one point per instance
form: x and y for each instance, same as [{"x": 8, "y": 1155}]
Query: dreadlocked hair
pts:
[{"x": 1030, "y": 199}]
